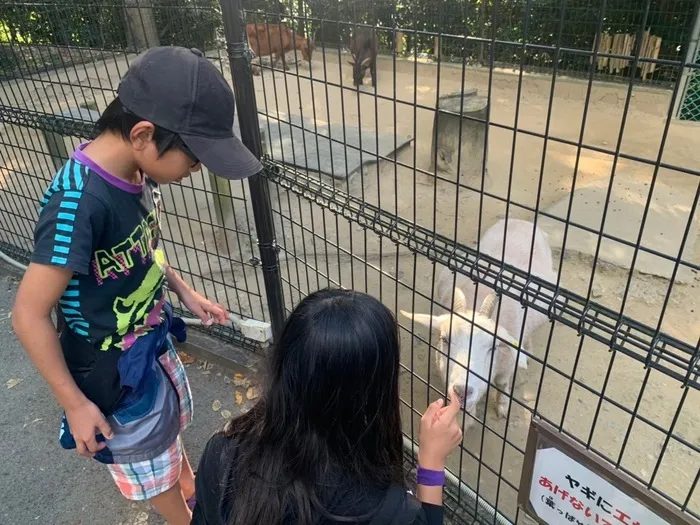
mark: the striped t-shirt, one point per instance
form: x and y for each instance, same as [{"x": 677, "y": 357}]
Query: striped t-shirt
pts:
[{"x": 104, "y": 230}]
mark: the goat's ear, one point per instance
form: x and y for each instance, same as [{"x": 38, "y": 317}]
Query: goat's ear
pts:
[
  {"x": 459, "y": 303},
  {"x": 365, "y": 62},
  {"x": 512, "y": 344},
  {"x": 429, "y": 321},
  {"x": 351, "y": 62}
]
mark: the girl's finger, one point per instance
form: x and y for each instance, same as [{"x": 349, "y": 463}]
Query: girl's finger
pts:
[
  {"x": 452, "y": 409},
  {"x": 432, "y": 410}
]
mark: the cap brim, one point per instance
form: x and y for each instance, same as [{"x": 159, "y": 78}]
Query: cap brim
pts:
[{"x": 226, "y": 157}]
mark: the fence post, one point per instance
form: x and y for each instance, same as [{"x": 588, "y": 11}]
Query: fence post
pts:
[
  {"x": 55, "y": 141},
  {"x": 223, "y": 205},
  {"x": 240, "y": 61}
]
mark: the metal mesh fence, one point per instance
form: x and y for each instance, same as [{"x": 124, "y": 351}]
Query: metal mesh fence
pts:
[
  {"x": 392, "y": 189},
  {"x": 50, "y": 97},
  {"x": 690, "y": 110},
  {"x": 358, "y": 203}
]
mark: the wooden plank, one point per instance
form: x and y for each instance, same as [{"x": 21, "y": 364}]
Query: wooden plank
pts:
[
  {"x": 644, "y": 53},
  {"x": 618, "y": 42},
  {"x": 655, "y": 53},
  {"x": 604, "y": 46}
]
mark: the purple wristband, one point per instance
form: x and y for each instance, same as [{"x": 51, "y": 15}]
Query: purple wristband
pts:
[{"x": 430, "y": 478}]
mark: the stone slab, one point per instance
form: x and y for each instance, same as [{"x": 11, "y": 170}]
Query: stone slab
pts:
[
  {"x": 664, "y": 228},
  {"x": 315, "y": 148}
]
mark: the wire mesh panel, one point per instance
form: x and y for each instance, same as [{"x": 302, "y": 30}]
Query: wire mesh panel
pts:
[
  {"x": 448, "y": 178},
  {"x": 690, "y": 110},
  {"x": 427, "y": 181},
  {"x": 61, "y": 63}
]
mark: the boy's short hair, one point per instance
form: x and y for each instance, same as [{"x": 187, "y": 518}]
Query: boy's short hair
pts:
[{"x": 117, "y": 119}]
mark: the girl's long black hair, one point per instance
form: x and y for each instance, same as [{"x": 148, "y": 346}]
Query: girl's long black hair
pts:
[{"x": 331, "y": 404}]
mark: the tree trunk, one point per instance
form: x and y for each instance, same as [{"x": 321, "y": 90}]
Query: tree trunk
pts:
[{"x": 141, "y": 32}]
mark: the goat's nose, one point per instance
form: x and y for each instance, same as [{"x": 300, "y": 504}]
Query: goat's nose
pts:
[{"x": 460, "y": 391}]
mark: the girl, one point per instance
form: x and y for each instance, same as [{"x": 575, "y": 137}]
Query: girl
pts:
[{"x": 323, "y": 444}]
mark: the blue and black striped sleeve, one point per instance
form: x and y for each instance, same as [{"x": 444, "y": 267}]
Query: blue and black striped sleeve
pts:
[{"x": 70, "y": 223}]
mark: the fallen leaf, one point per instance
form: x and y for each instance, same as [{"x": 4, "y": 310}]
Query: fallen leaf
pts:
[
  {"x": 216, "y": 405},
  {"x": 239, "y": 380},
  {"x": 208, "y": 365},
  {"x": 252, "y": 393},
  {"x": 206, "y": 372},
  {"x": 186, "y": 358},
  {"x": 14, "y": 382},
  {"x": 34, "y": 421},
  {"x": 226, "y": 414},
  {"x": 227, "y": 380},
  {"x": 239, "y": 398}
]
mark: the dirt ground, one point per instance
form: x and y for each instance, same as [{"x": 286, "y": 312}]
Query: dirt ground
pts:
[{"x": 639, "y": 407}]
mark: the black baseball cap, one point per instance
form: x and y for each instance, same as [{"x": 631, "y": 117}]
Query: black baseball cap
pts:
[{"x": 180, "y": 90}]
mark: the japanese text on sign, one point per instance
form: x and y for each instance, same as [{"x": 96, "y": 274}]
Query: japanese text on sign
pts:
[{"x": 564, "y": 492}]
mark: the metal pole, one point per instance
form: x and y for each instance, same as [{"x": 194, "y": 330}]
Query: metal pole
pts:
[
  {"x": 240, "y": 58},
  {"x": 690, "y": 54}
]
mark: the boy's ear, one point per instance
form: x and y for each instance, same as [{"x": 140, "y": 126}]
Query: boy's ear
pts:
[{"x": 142, "y": 134}]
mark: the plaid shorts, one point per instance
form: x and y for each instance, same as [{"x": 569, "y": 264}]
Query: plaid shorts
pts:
[{"x": 143, "y": 480}]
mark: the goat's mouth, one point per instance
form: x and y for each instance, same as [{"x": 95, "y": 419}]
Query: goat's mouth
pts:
[{"x": 466, "y": 396}]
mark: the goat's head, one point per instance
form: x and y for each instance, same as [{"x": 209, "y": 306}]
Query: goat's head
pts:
[
  {"x": 359, "y": 69},
  {"x": 307, "y": 48},
  {"x": 468, "y": 347}
]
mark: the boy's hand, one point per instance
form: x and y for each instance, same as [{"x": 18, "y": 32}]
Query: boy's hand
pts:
[
  {"x": 203, "y": 308},
  {"x": 84, "y": 421}
]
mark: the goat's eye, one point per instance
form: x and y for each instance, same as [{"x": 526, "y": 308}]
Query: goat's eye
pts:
[{"x": 444, "y": 340}]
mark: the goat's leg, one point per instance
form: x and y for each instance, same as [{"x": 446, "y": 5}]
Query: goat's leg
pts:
[
  {"x": 373, "y": 71},
  {"x": 503, "y": 394}
]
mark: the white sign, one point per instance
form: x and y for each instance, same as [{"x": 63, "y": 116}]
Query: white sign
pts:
[{"x": 564, "y": 492}]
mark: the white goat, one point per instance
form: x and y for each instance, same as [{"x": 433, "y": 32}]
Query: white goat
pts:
[{"x": 460, "y": 341}]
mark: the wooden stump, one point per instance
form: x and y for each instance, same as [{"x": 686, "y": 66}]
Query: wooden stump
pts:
[{"x": 448, "y": 140}]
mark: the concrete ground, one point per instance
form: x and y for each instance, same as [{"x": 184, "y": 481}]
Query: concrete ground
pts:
[{"x": 42, "y": 483}]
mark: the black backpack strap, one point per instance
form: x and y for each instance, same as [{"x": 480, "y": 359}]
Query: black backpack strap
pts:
[{"x": 398, "y": 508}]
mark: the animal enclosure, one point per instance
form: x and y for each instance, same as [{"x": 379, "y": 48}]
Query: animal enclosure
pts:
[{"x": 392, "y": 189}]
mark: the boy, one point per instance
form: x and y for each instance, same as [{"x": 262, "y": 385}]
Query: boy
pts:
[{"x": 114, "y": 370}]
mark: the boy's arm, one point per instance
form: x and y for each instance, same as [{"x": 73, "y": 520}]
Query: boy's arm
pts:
[
  {"x": 202, "y": 307},
  {"x": 39, "y": 291}
]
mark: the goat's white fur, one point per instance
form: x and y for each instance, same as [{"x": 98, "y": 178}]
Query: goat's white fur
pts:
[{"x": 456, "y": 330}]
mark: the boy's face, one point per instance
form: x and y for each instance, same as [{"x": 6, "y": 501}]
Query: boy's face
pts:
[{"x": 172, "y": 166}]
